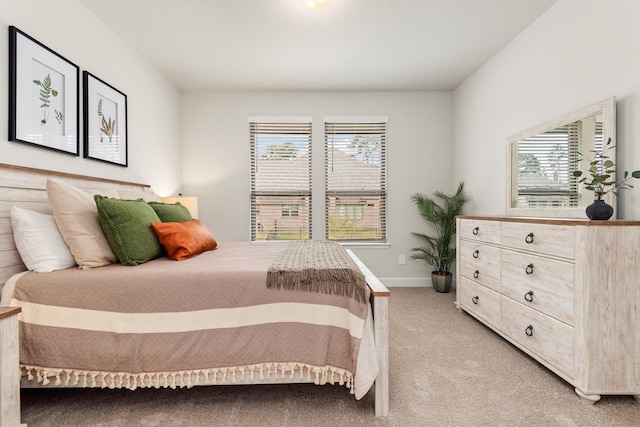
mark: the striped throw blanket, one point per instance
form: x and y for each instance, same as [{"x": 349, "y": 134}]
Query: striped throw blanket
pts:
[{"x": 318, "y": 266}]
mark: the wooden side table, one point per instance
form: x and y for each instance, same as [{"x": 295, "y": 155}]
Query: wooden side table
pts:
[{"x": 9, "y": 372}]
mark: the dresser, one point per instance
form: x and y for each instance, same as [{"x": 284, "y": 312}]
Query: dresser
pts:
[{"x": 566, "y": 292}]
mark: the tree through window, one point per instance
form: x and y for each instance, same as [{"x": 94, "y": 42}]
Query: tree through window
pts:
[
  {"x": 280, "y": 180},
  {"x": 355, "y": 180}
]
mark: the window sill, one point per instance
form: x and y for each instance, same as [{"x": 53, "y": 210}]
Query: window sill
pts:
[
  {"x": 346, "y": 245},
  {"x": 372, "y": 245}
]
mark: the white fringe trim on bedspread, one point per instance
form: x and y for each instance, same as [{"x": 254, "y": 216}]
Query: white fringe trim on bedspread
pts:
[{"x": 260, "y": 373}]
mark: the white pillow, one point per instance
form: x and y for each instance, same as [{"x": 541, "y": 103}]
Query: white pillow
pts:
[{"x": 39, "y": 241}]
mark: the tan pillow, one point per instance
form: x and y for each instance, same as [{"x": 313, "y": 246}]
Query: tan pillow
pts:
[{"x": 76, "y": 214}]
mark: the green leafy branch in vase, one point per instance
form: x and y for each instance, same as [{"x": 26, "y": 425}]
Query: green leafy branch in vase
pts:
[
  {"x": 108, "y": 127},
  {"x": 46, "y": 92},
  {"x": 601, "y": 169}
]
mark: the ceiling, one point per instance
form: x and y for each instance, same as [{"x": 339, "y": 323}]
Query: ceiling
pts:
[{"x": 347, "y": 45}]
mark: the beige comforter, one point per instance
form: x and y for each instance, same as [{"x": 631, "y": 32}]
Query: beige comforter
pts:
[{"x": 207, "y": 320}]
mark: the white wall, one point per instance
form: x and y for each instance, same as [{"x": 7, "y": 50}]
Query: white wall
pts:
[
  {"x": 215, "y": 137},
  {"x": 577, "y": 53},
  {"x": 66, "y": 27}
]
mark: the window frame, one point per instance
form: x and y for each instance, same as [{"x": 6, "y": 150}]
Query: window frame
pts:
[
  {"x": 361, "y": 125},
  {"x": 301, "y": 127}
]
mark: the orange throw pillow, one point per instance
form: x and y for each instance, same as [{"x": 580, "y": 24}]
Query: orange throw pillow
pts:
[{"x": 182, "y": 240}]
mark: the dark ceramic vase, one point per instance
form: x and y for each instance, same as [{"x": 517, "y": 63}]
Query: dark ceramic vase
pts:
[
  {"x": 441, "y": 283},
  {"x": 599, "y": 210}
]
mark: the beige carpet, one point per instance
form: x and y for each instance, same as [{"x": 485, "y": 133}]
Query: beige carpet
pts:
[{"x": 446, "y": 370}]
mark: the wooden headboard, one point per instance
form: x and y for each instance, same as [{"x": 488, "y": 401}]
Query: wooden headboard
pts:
[{"x": 26, "y": 188}]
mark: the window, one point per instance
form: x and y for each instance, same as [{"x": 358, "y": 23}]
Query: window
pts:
[
  {"x": 546, "y": 163},
  {"x": 355, "y": 180},
  {"x": 351, "y": 212},
  {"x": 289, "y": 210},
  {"x": 280, "y": 180}
]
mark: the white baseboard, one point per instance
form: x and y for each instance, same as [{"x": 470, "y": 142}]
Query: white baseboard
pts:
[
  {"x": 409, "y": 282},
  {"x": 406, "y": 282}
]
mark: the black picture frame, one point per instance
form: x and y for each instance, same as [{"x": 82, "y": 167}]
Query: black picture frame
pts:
[
  {"x": 105, "y": 121},
  {"x": 44, "y": 95}
]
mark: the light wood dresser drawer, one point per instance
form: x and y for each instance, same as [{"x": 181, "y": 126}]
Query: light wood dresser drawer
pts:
[
  {"x": 538, "y": 282},
  {"x": 480, "y": 263},
  {"x": 479, "y": 230},
  {"x": 558, "y": 240},
  {"x": 553, "y": 301},
  {"x": 545, "y": 272},
  {"x": 548, "y": 338},
  {"x": 480, "y": 301}
]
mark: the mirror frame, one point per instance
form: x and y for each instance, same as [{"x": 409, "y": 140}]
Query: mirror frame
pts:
[{"x": 608, "y": 110}]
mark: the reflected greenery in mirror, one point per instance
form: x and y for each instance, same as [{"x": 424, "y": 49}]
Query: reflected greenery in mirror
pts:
[
  {"x": 543, "y": 162},
  {"x": 600, "y": 178}
]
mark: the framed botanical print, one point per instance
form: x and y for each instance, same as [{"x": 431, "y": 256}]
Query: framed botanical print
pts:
[
  {"x": 105, "y": 121},
  {"x": 43, "y": 95}
]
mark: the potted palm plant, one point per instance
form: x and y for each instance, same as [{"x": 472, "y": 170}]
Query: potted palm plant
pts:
[{"x": 437, "y": 249}]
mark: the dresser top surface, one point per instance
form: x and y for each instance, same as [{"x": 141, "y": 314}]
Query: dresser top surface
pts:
[{"x": 558, "y": 221}]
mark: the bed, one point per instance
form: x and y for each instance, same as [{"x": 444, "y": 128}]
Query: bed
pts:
[{"x": 245, "y": 324}]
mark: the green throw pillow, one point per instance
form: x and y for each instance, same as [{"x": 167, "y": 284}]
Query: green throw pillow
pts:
[
  {"x": 127, "y": 226},
  {"x": 171, "y": 212}
]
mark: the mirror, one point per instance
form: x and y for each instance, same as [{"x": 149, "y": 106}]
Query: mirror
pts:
[{"x": 541, "y": 161}]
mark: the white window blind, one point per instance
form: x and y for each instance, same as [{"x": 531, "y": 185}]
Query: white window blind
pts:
[
  {"x": 545, "y": 167},
  {"x": 355, "y": 181},
  {"x": 280, "y": 180}
]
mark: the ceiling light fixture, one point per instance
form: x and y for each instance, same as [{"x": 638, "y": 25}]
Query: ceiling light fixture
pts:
[{"x": 315, "y": 4}]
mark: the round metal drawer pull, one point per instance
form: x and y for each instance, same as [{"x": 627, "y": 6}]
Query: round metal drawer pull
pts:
[
  {"x": 476, "y": 253},
  {"x": 474, "y": 300},
  {"x": 476, "y": 274},
  {"x": 529, "y": 238},
  {"x": 529, "y": 331},
  {"x": 529, "y": 269},
  {"x": 475, "y": 231},
  {"x": 529, "y": 296}
]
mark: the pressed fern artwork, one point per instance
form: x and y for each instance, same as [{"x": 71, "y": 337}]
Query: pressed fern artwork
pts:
[
  {"x": 105, "y": 121},
  {"x": 46, "y": 92},
  {"x": 43, "y": 95},
  {"x": 107, "y": 126}
]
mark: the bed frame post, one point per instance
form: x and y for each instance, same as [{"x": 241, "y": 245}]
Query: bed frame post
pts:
[
  {"x": 9, "y": 371},
  {"x": 381, "y": 334},
  {"x": 380, "y": 305}
]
